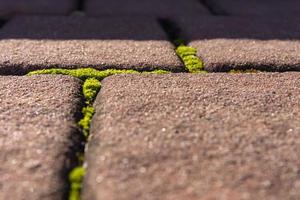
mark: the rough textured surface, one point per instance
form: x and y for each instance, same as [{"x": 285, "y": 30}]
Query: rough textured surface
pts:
[
  {"x": 225, "y": 43},
  {"x": 187, "y": 136},
  {"x": 274, "y": 8},
  {"x": 38, "y": 135},
  {"x": 157, "y": 8},
  {"x": 12, "y": 7},
  {"x": 30, "y": 43}
]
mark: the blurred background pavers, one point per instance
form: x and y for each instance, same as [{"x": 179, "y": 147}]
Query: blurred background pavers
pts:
[
  {"x": 9, "y": 8},
  {"x": 38, "y": 135},
  {"x": 187, "y": 136},
  {"x": 273, "y": 8},
  {"x": 156, "y": 8},
  {"x": 226, "y": 43},
  {"x": 33, "y": 42}
]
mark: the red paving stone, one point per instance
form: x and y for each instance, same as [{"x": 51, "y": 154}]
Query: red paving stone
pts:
[
  {"x": 187, "y": 136},
  {"x": 32, "y": 42},
  {"x": 273, "y": 8},
  {"x": 38, "y": 135},
  {"x": 9, "y": 8},
  {"x": 156, "y": 8},
  {"x": 226, "y": 43}
]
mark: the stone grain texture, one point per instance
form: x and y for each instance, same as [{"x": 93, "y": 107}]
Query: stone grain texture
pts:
[
  {"x": 9, "y": 8},
  {"x": 272, "y": 8},
  {"x": 156, "y": 8},
  {"x": 187, "y": 136},
  {"x": 226, "y": 43},
  {"x": 32, "y": 42},
  {"x": 38, "y": 135}
]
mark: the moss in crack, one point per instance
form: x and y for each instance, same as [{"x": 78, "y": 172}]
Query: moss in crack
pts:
[
  {"x": 157, "y": 72},
  {"x": 76, "y": 179},
  {"x": 86, "y": 73},
  {"x": 90, "y": 89},
  {"x": 189, "y": 57},
  {"x": 85, "y": 122}
]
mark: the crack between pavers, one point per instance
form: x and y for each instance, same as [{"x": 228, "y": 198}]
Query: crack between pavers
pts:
[
  {"x": 187, "y": 54},
  {"x": 92, "y": 83},
  {"x": 2, "y": 22},
  {"x": 80, "y": 5}
]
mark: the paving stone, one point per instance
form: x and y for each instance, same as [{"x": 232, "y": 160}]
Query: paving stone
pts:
[
  {"x": 31, "y": 43},
  {"x": 38, "y": 135},
  {"x": 277, "y": 8},
  {"x": 12, "y": 7},
  {"x": 157, "y": 8},
  {"x": 225, "y": 43},
  {"x": 189, "y": 136}
]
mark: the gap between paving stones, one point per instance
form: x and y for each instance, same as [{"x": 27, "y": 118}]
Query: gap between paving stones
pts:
[
  {"x": 212, "y": 7},
  {"x": 187, "y": 54},
  {"x": 90, "y": 89}
]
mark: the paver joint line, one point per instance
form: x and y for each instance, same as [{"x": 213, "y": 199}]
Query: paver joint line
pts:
[{"x": 90, "y": 89}]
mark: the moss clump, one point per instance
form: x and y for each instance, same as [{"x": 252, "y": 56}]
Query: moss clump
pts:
[
  {"x": 251, "y": 71},
  {"x": 189, "y": 57},
  {"x": 90, "y": 89},
  {"x": 84, "y": 73},
  {"x": 85, "y": 122},
  {"x": 157, "y": 72},
  {"x": 76, "y": 179}
]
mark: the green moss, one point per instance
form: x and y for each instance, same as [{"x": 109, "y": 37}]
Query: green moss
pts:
[
  {"x": 84, "y": 73},
  {"x": 234, "y": 71},
  {"x": 85, "y": 122},
  {"x": 76, "y": 179},
  {"x": 189, "y": 57},
  {"x": 90, "y": 89},
  {"x": 157, "y": 72}
]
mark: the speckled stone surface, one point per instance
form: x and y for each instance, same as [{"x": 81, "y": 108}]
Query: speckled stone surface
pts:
[
  {"x": 188, "y": 136},
  {"x": 226, "y": 43},
  {"x": 8, "y": 8},
  {"x": 274, "y": 8},
  {"x": 38, "y": 135},
  {"x": 156, "y": 8},
  {"x": 30, "y": 43}
]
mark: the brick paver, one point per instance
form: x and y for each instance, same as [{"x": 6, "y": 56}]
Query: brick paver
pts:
[
  {"x": 30, "y": 43},
  {"x": 38, "y": 135},
  {"x": 225, "y": 43},
  {"x": 157, "y": 8},
  {"x": 12, "y": 7},
  {"x": 274, "y": 8},
  {"x": 214, "y": 136}
]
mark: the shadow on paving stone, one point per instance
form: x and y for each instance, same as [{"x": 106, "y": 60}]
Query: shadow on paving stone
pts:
[
  {"x": 38, "y": 42},
  {"x": 155, "y": 8},
  {"x": 9, "y": 8}
]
